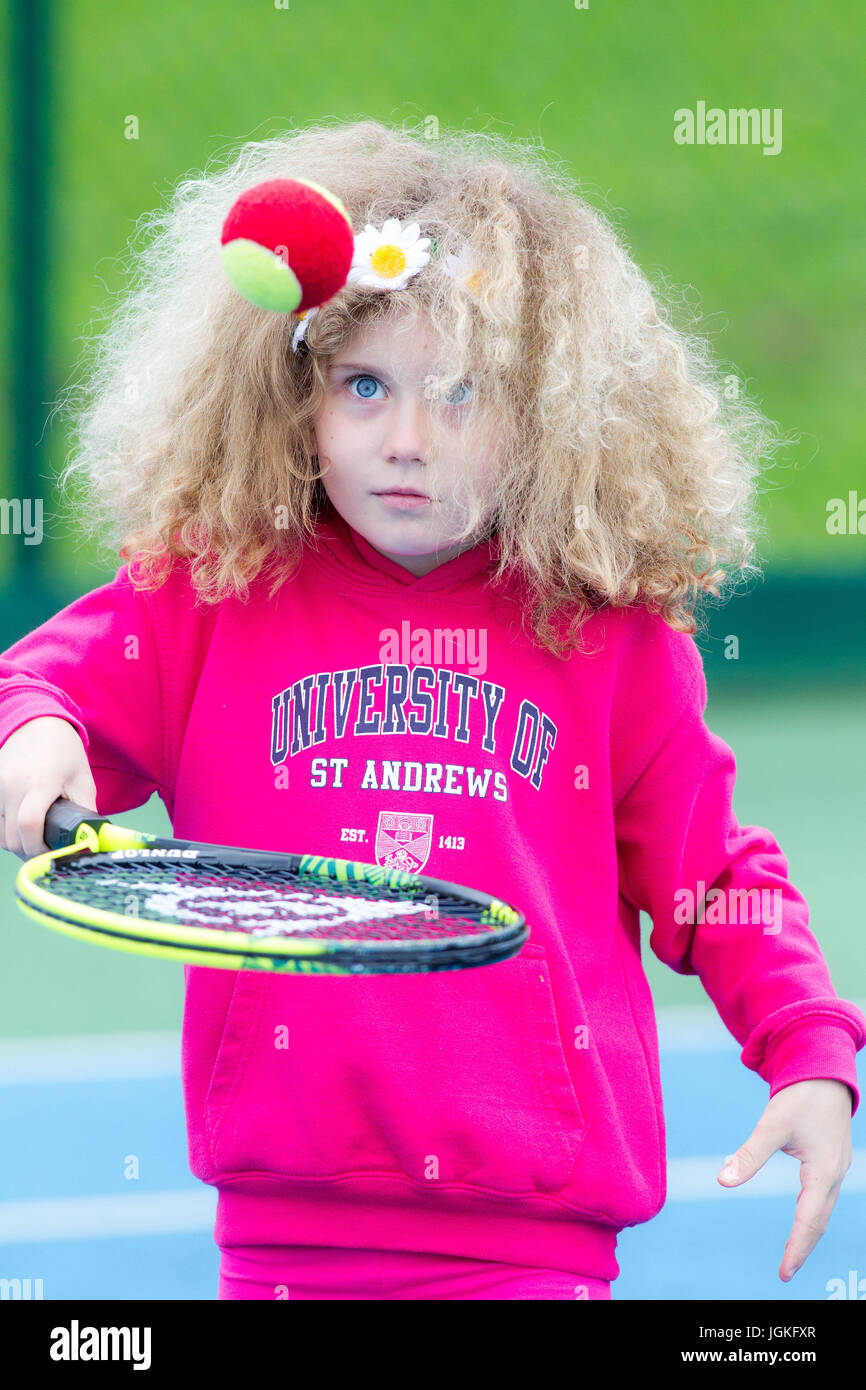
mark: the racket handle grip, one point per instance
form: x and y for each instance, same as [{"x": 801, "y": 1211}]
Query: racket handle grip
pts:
[{"x": 63, "y": 818}]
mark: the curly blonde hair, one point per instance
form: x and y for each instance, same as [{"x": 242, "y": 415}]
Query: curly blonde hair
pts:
[{"x": 628, "y": 466}]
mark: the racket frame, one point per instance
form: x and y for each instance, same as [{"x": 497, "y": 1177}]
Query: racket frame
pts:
[{"x": 102, "y": 839}]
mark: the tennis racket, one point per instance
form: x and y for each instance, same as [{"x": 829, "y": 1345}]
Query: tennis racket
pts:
[{"x": 243, "y": 909}]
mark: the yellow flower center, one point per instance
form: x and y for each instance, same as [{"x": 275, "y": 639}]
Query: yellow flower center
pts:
[
  {"x": 473, "y": 283},
  {"x": 388, "y": 260}
]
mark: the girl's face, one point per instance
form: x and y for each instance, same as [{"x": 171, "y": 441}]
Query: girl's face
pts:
[{"x": 375, "y": 432}]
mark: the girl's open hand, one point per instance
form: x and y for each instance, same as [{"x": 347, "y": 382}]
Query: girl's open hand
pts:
[{"x": 811, "y": 1120}]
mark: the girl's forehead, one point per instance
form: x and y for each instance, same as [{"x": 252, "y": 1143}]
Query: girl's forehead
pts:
[
  {"x": 399, "y": 343},
  {"x": 393, "y": 328}
]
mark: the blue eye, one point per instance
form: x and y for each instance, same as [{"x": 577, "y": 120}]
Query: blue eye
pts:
[
  {"x": 458, "y": 395},
  {"x": 453, "y": 397},
  {"x": 364, "y": 384}
]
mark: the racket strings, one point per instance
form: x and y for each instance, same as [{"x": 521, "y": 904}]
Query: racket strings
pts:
[{"x": 271, "y": 902}]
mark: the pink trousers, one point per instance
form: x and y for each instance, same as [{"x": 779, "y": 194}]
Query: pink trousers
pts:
[{"x": 324, "y": 1272}]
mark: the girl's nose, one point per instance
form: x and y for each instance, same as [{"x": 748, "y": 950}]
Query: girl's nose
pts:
[{"x": 406, "y": 435}]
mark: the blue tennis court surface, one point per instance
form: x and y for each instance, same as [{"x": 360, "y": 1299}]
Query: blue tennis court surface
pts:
[{"x": 99, "y": 1120}]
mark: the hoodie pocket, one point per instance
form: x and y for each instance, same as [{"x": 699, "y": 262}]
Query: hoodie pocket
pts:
[{"x": 452, "y": 1078}]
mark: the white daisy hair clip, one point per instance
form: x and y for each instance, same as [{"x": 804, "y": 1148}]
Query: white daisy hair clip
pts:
[
  {"x": 387, "y": 257},
  {"x": 466, "y": 271},
  {"x": 300, "y": 333}
]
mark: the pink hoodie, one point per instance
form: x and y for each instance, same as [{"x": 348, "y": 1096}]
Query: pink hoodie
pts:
[{"x": 510, "y": 1112}]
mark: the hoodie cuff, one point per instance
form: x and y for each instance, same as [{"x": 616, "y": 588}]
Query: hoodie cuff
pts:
[{"x": 813, "y": 1051}]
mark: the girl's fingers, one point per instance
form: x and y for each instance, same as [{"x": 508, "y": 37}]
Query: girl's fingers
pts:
[
  {"x": 815, "y": 1203},
  {"x": 765, "y": 1140},
  {"x": 31, "y": 822}
]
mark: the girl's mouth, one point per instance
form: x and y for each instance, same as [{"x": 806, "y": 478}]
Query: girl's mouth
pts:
[{"x": 404, "y": 501}]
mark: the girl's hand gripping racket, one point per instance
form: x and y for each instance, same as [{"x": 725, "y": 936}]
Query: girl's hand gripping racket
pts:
[{"x": 243, "y": 909}]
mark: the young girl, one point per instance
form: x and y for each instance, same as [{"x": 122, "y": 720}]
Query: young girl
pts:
[{"x": 415, "y": 574}]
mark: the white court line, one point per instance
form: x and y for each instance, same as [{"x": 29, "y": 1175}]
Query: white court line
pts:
[
  {"x": 682, "y": 1028},
  {"x": 692, "y": 1028},
  {"x": 192, "y": 1210},
  {"x": 694, "y": 1179},
  {"x": 89, "y": 1057},
  {"x": 126, "y": 1214}
]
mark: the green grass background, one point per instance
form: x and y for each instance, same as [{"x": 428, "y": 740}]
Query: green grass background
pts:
[{"x": 770, "y": 248}]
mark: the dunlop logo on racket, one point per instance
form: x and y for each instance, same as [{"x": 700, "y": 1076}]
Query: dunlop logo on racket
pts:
[
  {"x": 232, "y": 908},
  {"x": 153, "y": 853}
]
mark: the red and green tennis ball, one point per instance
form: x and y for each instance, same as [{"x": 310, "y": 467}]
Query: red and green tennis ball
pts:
[{"x": 287, "y": 245}]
